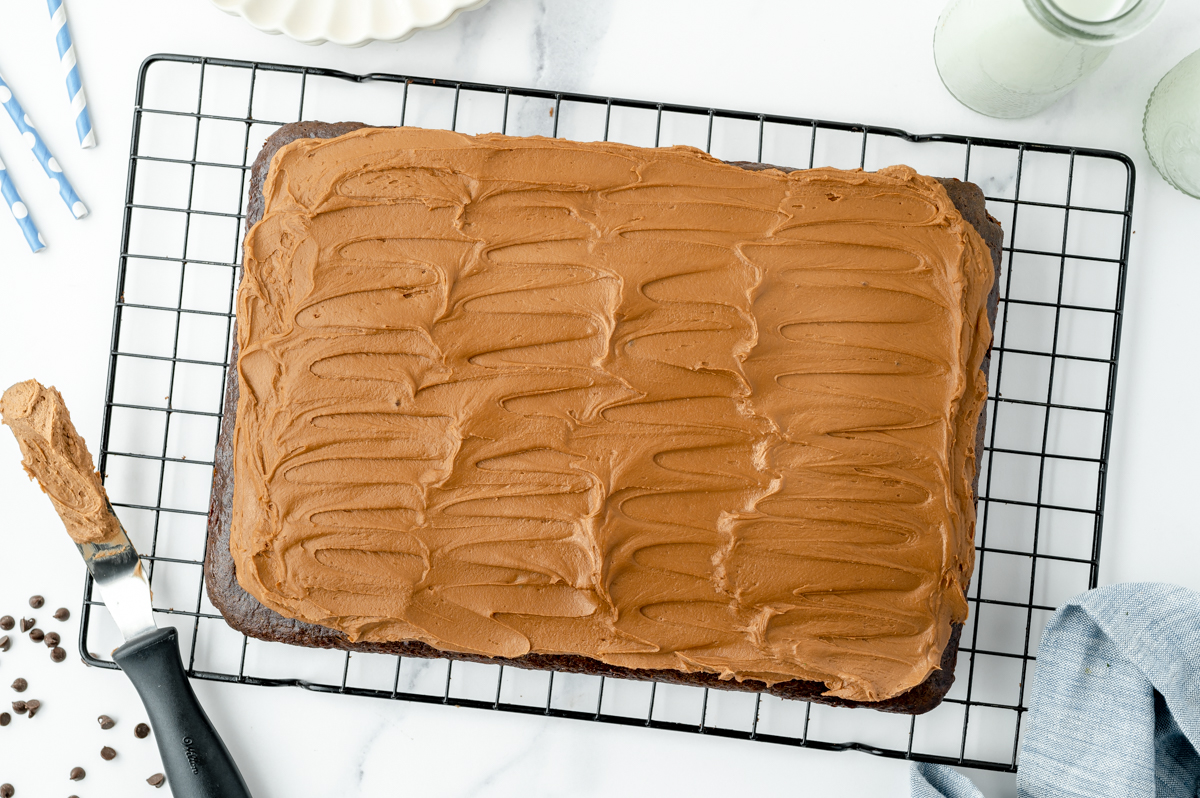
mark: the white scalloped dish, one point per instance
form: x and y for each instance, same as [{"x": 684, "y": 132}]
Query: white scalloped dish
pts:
[{"x": 352, "y": 23}]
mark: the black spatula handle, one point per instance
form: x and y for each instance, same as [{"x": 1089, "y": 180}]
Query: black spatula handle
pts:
[{"x": 197, "y": 763}]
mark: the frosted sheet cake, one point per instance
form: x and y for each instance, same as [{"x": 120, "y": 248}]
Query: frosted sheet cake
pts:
[{"x": 593, "y": 407}]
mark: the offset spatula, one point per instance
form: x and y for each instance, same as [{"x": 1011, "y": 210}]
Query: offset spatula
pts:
[{"x": 196, "y": 762}]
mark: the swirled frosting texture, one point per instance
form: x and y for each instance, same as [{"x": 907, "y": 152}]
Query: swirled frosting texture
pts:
[
  {"x": 512, "y": 395},
  {"x": 59, "y": 460}
]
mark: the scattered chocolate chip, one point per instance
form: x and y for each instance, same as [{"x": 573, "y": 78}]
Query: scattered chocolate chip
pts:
[
  {"x": 37, "y": 602},
  {"x": 5, "y": 718},
  {"x": 33, "y": 705},
  {"x": 141, "y": 731},
  {"x": 108, "y": 754},
  {"x": 106, "y": 722},
  {"x": 27, "y": 624},
  {"x": 157, "y": 780},
  {"x": 77, "y": 774},
  {"x": 52, "y": 639},
  {"x": 62, "y": 614},
  {"x": 20, "y": 685},
  {"x": 7, "y": 622},
  {"x": 37, "y": 635},
  {"x": 19, "y": 707},
  {"x": 7, "y": 791},
  {"x": 58, "y": 653},
  {"x": 5, "y": 643}
]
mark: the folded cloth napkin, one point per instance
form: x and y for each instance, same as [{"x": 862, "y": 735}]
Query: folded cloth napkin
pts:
[{"x": 1116, "y": 706}]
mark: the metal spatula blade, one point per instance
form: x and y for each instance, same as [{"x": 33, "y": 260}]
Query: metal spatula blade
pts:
[{"x": 117, "y": 571}]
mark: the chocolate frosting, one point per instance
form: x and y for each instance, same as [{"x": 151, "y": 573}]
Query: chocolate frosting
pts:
[
  {"x": 512, "y": 395},
  {"x": 58, "y": 459}
]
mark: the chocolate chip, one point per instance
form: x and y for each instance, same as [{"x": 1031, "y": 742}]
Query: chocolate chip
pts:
[
  {"x": 20, "y": 685},
  {"x": 33, "y": 705},
  {"x": 141, "y": 731},
  {"x": 58, "y": 654},
  {"x": 5, "y": 718},
  {"x": 157, "y": 780},
  {"x": 108, "y": 754},
  {"x": 106, "y": 722},
  {"x": 7, "y": 791},
  {"x": 37, "y": 635},
  {"x": 27, "y": 624},
  {"x": 5, "y": 643},
  {"x": 52, "y": 639},
  {"x": 37, "y": 602},
  {"x": 19, "y": 707},
  {"x": 62, "y": 614},
  {"x": 7, "y": 622},
  {"x": 77, "y": 774}
]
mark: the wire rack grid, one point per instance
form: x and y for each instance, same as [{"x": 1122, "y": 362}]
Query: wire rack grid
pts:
[{"x": 1066, "y": 211}]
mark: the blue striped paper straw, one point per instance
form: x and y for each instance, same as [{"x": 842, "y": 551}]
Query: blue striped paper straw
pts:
[
  {"x": 66, "y": 54},
  {"x": 19, "y": 211},
  {"x": 41, "y": 152}
]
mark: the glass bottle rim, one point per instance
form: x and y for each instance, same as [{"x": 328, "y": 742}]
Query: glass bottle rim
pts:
[{"x": 1130, "y": 22}]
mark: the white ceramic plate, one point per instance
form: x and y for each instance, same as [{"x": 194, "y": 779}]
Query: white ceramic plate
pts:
[{"x": 349, "y": 22}]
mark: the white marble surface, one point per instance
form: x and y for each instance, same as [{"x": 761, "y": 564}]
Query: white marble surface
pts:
[{"x": 866, "y": 60}]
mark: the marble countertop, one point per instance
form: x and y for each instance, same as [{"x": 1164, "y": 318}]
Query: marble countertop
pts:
[{"x": 867, "y": 61}]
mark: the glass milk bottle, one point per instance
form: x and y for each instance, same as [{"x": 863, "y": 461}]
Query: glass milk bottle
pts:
[
  {"x": 1172, "y": 126},
  {"x": 1013, "y": 58}
]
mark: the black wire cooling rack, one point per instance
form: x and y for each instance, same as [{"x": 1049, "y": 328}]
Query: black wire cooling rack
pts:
[{"x": 199, "y": 122}]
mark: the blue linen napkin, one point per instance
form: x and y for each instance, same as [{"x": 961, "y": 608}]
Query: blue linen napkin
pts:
[{"x": 1116, "y": 705}]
